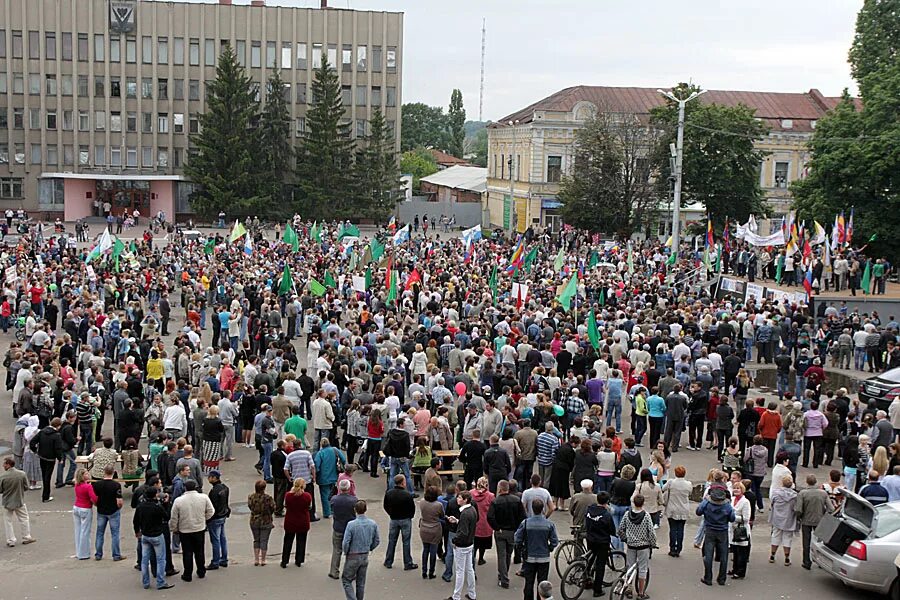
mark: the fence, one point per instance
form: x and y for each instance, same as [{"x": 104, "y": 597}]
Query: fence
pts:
[{"x": 468, "y": 214}]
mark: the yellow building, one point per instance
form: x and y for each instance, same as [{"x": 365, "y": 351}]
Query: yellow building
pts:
[{"x": 537, "y": 144}]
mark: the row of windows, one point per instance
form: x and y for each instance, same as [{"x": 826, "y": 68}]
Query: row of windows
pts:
[
  {"x": 51, "y": 86},
  {"x": 117, "y": 121},
  {"x": 287, "y": 56},
  {"x": 502, "y": 169},
  {"x": 117, "y": 156}
]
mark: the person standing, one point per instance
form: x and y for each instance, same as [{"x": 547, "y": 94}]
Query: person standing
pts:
[
  {"x": 109, "y": 511},
  {"x": 48, "y": 446},
  {"x": 676, "y": 499},
  {"x": 599, "y": 529},
  {"x": 463, "y": 546},
  {"x": 297, "y": 504},
  {"x": 262, "y": 507},
  {"x": 739, "y": 534},
  {"x": 811, "y": 505},
  {"x": 343, "y": 506},
  {"x": 360, "y": 538},
  {"x": 782, "y": 517},
  {"x": 83, "y": 513},
  {"x": 505, "y": 515},
  {"x": 329, "y": 462},
  {"x": 149, "y": 523},
  {"x": 636, "y": 532},
  {"x": 717, "y": 513},
  {"x": 13, "y": 484},
  {"x": 69, "y": 440},
  {"x": 400, "y": 507},
  {"x": 538, "y": 534},
  {"x": 300, "y": 465},
  {"x": 676, "y": 408},
  {"x": 431, "y": 512},
  {"x": 190, "y": 512},
  {"x": 218, "y": 495}
]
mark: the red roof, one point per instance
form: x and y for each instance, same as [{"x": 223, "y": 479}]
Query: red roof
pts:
[{"x": 448, "y": 160}]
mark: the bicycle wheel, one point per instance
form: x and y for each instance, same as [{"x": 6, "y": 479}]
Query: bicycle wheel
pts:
[
  {"x": 573, "y": 580},
  {"x": 20, "y": 334},
  {"x": 620, "y": 587},
  {"x": 615, "y": 566},
  {"x": 567, "y": 553}
]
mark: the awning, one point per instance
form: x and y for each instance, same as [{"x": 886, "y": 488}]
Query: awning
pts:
[{"x": 550, "y": 203}]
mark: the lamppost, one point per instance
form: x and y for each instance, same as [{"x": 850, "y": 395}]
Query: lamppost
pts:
[
  {"x": 512, "y": 180},
  {"x": 679, "y": 155}
]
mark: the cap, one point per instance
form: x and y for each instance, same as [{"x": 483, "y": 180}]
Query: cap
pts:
[
  {"x": 265, "y": 407},
  {"x": 214, "y": 473}
]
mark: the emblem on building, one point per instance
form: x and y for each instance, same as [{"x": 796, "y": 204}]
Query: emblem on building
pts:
[{"x": 122, "y": 16}]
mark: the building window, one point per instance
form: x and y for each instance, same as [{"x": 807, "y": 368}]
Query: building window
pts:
[
  {"x": 301, "y": 93},
  {"x": 50, "y": 46},
  {"x": 376, "y": 59},
  {"x": 255, "y": 55},
  {"x": 51, "y": 120},
  {"x": 130, "y": 50},
  {"x": 254, "y": 89},
  {"x": 554, "y": 169},
  {"x": 115, "y": 156},
  {"x": 17, "y": 44},
  {"x": 34, "y": 47},
  {"x": 176, "y": 158},
  {"x": 10, "y": 187},
  {"x": 146, "y": 122},
  {"x": 193, "y": 124},
  {"x": 146, "y": 156},
  {"x": 178, "y": 89},
  {"x": 131, "y": 87},
  {"x": 391, "y": 59},
  {"x": 162, "y": 89},
  {"x": 162, "y": 51},
  {"x": 115, "y": 50},
  {"x": 316, "y": 56},
  {"x": 390, "y": 98},
  {"x": 65, "y": 85},
  {"x": 361, "y": 62},
  {"x": 178, "y": 122},
  {"x": 270, "y": 55},
  {"x": 19, "y": 153},
  {"x": 361, "y": 94},
  {"x": 99, "y": 86},
  {"x": 146, "y": 49},
  {"x": 51, "y": 85},
  {"x": 4, "y": 160},
  {"x": 84, "y": 120},
  {"x": 131, "y": 122},
  {"x": 99, "y": 120},
  {"x": 210, "y": 52},
  {"x": 100, "y": 155},
  {"x": 376, "y": 95},
  {"x": 52, "y": 157},
  {"x": 67, "y": 46},
  {"x": 391, "y": 126},
  {"x": 115, "y": 87},
  {"x": 84, "y": 155},
  {"x": 83, "y": 47},
  {"x": 162, "y": 158},
  {"x": 193, "y": 89},
  {"x": 332, "y": 56},
  {"x": 781, "y": 175},
  {"x": 18, "y": 83},
  {"x": 115, "y": 122},
  {"x": 286, "y": 55},
  {"x": 178, "y": 51},
  {"x": 34, "y": 118},
  {"x": 347, "y": 58},
  {"x": 131, "y": 157},
  {"x": 162, "y": 123},
  {"x": 301, "y": 55},
  {"x": 301, "y": 126},
  {"x": 34, "y": 84},
  {"x": 240, "y": 49},
  {"x": 68, "y": 120},
  {"x": 360, "y": 128},
  {"x": 194, "y": 52},
  {"x": 502, "y": 166},
  {"x": 35, "y": 154},
  {"x": 68, "y": 155},
  {"x": 346, "y": 95},
  {"x": 82, "y": 86},
  {"x": 286, "y": 93},
  {"x": 147, "y": 88},
  {"x": 3, "y": 52}
]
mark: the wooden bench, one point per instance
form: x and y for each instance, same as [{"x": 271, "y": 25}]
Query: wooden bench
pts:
[
  {"x": 452, "y": 453},
  {"x": 451, "y": 473}
]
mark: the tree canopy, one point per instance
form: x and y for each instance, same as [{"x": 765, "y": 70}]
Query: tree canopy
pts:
[
  {"x": 456, "y": 125},
  {"x": 424, "y": 126}
]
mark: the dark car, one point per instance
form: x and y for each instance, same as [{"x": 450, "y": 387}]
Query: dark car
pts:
[{"x": 883, "y": 388}]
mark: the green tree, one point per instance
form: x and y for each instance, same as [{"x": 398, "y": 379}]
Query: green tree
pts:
[
  {"x": 418, "y": 163},
  {"x": 226, "y": 164},
  {"x": 609, "y": 188},
  {"x": 855, "y": 150},
  {"x": 479, "y": 146},
  {"x": 275, "y": 146},
  {"x": 325, "y": 153},
  {"x": 377, "y": 175},
  {"x": 721, "y": 162},
  {"x": 423, "y": 125},
  {"x": 456, "y": 125}
]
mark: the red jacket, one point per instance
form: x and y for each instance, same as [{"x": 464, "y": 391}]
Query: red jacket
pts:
[
  {"x": 296, "y": 516},
  {"x": 770, "y": 424}
]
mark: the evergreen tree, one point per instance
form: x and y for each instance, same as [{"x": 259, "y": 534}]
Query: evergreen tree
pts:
[
  {"x": 378, "y": 178},
  {"x": 456, "y": 123},
  {"x": 325, "y": 154},
  {"x": 274, "y": 137},
  {"x": 226, "y": 165}
]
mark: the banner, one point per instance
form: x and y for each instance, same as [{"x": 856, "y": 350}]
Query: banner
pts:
[
  {"x": 755, "y": 290},
  {"x": 774, "y": 239},
  {"x": 359, "y": 283},
  {"x": 11, "y": 275}
]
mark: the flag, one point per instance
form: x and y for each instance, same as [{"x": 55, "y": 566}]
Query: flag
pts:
[
  {"x": 568, "y": 292},
  {"x": 494, "y": 282},
  {"x": 369, "y": 278},
  {"x": 290, "y": 237},
  {"x": 329, "y": 280},
  {"x": 826, "y": 261},
  {"x": 354, "y": 260},
  {"x": 248, "y": 245},
  {"x": 706, "y": 259},
  {"x": 470, "y": 251},
  {"x": 517, "y": 256},
  {"x": 560, "y": 261},
  {"x": 669, "y": 242},
  {"x": 316, "y": 288},
  {"x": 473, "y": 233},
  {"x": 849, "y": 233},
  {"x": 602, "y": 299},
  {"x": 388, "y": 272},
  {"x": 673, "y": 258},
  {"x": 210, "y": 246},
  {"x": 117, "y": 250},
  {"x": 348, "y": 231},
  {"x": 315, "y": 234},
  {"x": 630, "y": 259},
  {"x": 819, "y": 236},
  {"x": 377, "y": 249},
  {"x": 867, "y": 274},
  {"x": 103, "y": 244},
  {"x": 808, "y": 283},
  {"x": 402, "y": 235},
  {"x": 392, "y": 224},
  {"x": 413, "y": 278},
  {"x": 779, "y": 268},
  {"x": 529, "y": 259},
  {"x": 392, "y": 288},
  {"x": 520, "y": 291},
  {"x": 132, "y": 247},
  {"x": 238, "y": 231},
  {"x": 873, "y": 238},
  {"x": 834, "y": 234},
  {"x": 709, "y": 233},
  {"x": 594, "y": 260},
  {"x": 592, "y": 331},
  {"x": 726, "y": 237},
  {"x": 841, "y": 229},
  {"x": 287, "y": 282},
  {"x": 719, "y": 260}
]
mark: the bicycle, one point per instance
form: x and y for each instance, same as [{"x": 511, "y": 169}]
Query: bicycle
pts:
[
  {"x": 568, "y": 551},
  {"x": 628, "y": 581},
  {"x": 20, "y": 328},
  {"x": 579, "y": 575}
]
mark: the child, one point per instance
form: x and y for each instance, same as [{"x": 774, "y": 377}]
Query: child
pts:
[{"x": 421, "y": 461}]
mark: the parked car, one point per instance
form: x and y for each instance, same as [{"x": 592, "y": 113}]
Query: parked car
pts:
[
  {"x": 859, "y": 543},
  {"x": 883, "y": 388}
]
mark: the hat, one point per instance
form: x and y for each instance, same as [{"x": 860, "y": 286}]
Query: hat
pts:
[
  {"x": 486, "y": 388},
  {"x": 265, "y": 407},
  {"x": 215, "y": 473}
]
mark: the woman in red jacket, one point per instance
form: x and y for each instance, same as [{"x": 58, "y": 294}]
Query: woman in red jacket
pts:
[{"x": 296, "y": 522}]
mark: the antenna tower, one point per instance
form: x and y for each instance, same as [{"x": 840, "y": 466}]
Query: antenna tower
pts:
[{"x": 481, "y": 90}]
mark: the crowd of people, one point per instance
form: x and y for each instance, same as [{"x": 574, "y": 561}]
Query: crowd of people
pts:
[{"x": 485, "y": 409}]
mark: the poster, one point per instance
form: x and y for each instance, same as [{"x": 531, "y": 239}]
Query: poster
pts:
[
  {"x": 754, "y": 291},
  {"x": 11, "y": 275}
]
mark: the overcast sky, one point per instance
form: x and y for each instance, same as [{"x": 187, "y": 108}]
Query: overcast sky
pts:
[{"x": 537, "y": 47}]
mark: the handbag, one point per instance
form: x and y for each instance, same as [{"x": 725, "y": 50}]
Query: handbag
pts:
[{"x": 740, "y": 534}]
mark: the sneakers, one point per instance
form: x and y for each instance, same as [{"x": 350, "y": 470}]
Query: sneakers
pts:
[{"x": 29, "y": 541}]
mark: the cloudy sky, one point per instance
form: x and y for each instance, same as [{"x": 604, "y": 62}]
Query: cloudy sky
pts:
[{"x": 537, "y": 47}]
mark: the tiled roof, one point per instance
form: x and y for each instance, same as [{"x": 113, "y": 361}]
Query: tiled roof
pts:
[{"x": 442, "y": 158}]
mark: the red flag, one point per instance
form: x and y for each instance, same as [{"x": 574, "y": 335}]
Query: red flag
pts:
[
  {"x": 387, "y": 278},
  {"x": 519, "y": 297},
  {"x": 413, "y": 278}
]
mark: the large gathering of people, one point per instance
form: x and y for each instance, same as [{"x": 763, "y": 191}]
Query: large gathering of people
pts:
[{"x": 461, "y": 370}]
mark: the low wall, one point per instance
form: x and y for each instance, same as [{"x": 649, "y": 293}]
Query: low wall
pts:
[{"x": 468, "y": 214}]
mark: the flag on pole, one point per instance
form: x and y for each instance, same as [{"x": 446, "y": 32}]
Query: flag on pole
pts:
[
  {"x": 530, "y": 258},
  {"x": 290, "y": 237},
  {"x": 402, "y": 235},
  {"x": 287, "y": 282},
  {"x": 518, "y": 255},
  {"x": 594, "y": 260},
  {"x": 841, "y": 229},
  {"x": 867, "y": 274},
  {"x": 826, "y": 260},
  {"x": 103, "y": 244},
  {"x": 592, "y": 331},
  {"x": 568, "y": 292},
  {"x": 560, "y": 261},
  {"x": 602, "y": 299},
  {"x": 315, "y": 234},
  {"x": 238, "y": 231},
  {"x": 248, "y": 245},
  {"x": 316, "y": 288},
  {"x": 473, "y": 233},
  {"x": 630, "y": 259},
  {"x": 392, "y": 288},
  {"x": 210, "y": 246},
  {"x": 673, "y": 258},
  {"x": 413, "y": 278},
  {"x": 808, "y": 284},
  {"x": 718, "y": 260},
  {"x": 377, "y": 249},
  {"x": 390, "y": 268},
  {"x": 834, "y": 234},
  {"x": 470, "y": 251},
  {"x": 709, "y": 233},
  {"x": 348, "y": 231},
  {"x": 494, "y": 282},
  {"x": 329, "y": 280},
  {"x": 849, "y": 232},
  {"x": 392, "y": 224},
  {"x": 117, "y": 250},
  {"x": 368, "y": 278},
  {"x": 819, "y": 236},
  {"x": 779, "y": 268},
  {"x": 726, "y": 236}
]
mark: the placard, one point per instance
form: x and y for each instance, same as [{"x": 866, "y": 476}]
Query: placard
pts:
[{"x": 755, "y": 290}]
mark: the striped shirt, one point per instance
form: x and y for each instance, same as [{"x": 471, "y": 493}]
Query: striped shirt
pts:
[{"x": 547, "y": 444}]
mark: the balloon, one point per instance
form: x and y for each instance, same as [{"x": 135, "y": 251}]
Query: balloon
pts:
[
  {"x": 558, "y": 410},
  {"x": 460, "y": 388}
]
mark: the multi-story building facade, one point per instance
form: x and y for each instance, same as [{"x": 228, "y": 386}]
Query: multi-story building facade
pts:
[
  {"x": 541, "y": 139},
  {"x": 99, "y": 98}
]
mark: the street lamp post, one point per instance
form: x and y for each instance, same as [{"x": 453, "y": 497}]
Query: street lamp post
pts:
[
  {"x": 679, "y": 155},
  {"x": 512, "y": 180}
]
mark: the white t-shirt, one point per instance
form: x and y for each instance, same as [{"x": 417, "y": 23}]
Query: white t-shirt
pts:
[{"x": 532, "y": 494}]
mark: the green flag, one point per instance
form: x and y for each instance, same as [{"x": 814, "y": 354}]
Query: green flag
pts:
[
  {"x": 210, "y": 246},
  {"x": 290, "y": 237},
  {"x": 369, "y": 278},
  {"x": 392, "y": 292},
  {"x": 315, "y": 234},
  {"x": 286, "y": 281},
  {"x": 559, "y": 262},
  {"x": 779, "y": 268},
  {"x": 568, "y": 292},
  {"x": 354, "y": 260},
  {"x": 602, "y": 300},
  {"x": 316, "y": 288},
  {"x": 529, "y": 259},
  {"x": 867, "y": 278},
  {"x": 673, "y": 258},
  {"x": 873, "y": 238},
  {"x": 238, "y": 231},
  {"x": 593, "y": 332},
  {"x": 348, "y": 231},
  {"x": 377, "y": 249},
  {"x": 329, "y": 280},
  {"x": 132, "y": 247},
  {"x": 719, "y": 261},
  {"x": 493, "y": 282},
  {"x": 706, "y": 259},
  {"x": 594, "y": 260}
]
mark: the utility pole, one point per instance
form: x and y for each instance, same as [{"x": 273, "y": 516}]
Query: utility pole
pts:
[{"x": 679, "y": 156}]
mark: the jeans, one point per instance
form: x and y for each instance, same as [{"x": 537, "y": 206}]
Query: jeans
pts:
[
  {"x": 82, "y": 518},
  {"x": 429, "y": 558},
  {"x": 748, "y": 349},
  {"x": 618, "y": 511},
  {"x": 325, "y": 495},
  {"x": 713, "y": 541},
  {"x": 397, "y": 528},
  {"x": 782, "y": 383},
  {"x": 756, "y": 486},
  {"x": 534, "y": 573},
  {"x": 317, "y": 437},
  {"x": 656, "y": 427},
  {"x": 465, "y": 572},
  {"x": 859, "y": 358},
  {"x": 449, "y": 556},
  {"x": 229, "y": 441},
  {"x": 114, "y": 521},
  {"x": 505, "y": 546},
  {"x": 614, "y": 407},
  {"x": 799, "y": 387},
  {"x": 640, "y": 428},
  {"x": 267, "y": 460},
  {"x": 216, "y": 528},
  {"x": 398, "y": 465},
  {"x": 157, "y": 546},
  {"x": 676, "y": 535},
  {"x": 86, "y": 431},
  {"x": 355, "y": 571}
]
